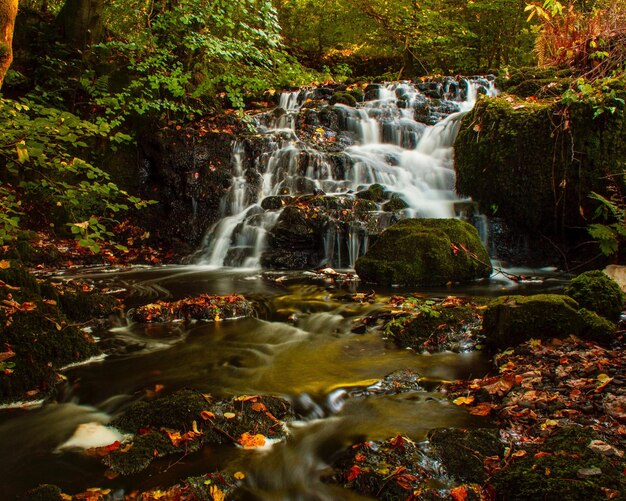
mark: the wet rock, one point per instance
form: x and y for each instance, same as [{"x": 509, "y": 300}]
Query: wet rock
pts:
[
  {"x": 203, "y": 307},
  {"x": 37, "y": 335},
  {"x": 44, "y": 492},
  {"x": 453, "y": 325},
  {"x": 463, "y": 452},
  {"x": 425, "y": 252},
  {"x": 395, "y": 204},
  {"x": 343, "y": 98},
  {"x": 374, "y": 193},
  {"x": 187, "y": 420},
  {"x": 511, "y": 320},
  {"x": 597, "y": 292}
]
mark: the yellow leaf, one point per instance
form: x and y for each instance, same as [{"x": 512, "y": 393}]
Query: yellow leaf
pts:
[
  {"x": 603, "y": 378},
  {"x": 4, "y": 264},
  {"x": 216, "y": 493},
  {"x": 239, "y": 475},
  {"x": 463, "y": 400},
  {"x": 83, "y": 226},
  {"x": 229, "y": 415}
]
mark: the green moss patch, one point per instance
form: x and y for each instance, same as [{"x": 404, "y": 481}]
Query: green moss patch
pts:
[
  {"x": 425, "y": 252},
  {"x": 597, "y": 292}
]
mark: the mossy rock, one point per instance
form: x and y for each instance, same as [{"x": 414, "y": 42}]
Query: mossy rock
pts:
[
  {"x": 81, "y": 306},
  {"x": 375, "y": 193},
  {"x": 597, "y": 292},
  {"x": 541, "y": 88},
  {"x": 435, "y": 328},
  {"x": 511, "y": 320},
  {"x": 463, "y": 452},
  {"x": 44, "y": 492},
  {"x": 43, "y": 343},
  {"x": 343, "y": 98},
  {"x": 514, "y": 157},
  {"x": 185, "y": 411},
  {"x": 395, "y": 204},
  {"x": 425, "y": 252},
  {"x": 596, "y": 328},
  {"x": 556, "y": 474}
]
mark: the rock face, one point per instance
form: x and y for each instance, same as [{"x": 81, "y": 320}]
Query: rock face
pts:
[
  {"x": 534, "y": 164},
  {"x": 425, "y": 252},
  {"x": 511, "y": 320}
]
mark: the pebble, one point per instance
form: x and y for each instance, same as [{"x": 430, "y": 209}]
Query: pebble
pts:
[{"x": 588, "y": 472}]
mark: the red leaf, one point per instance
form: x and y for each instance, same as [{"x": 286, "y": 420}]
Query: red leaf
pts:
[
  {"x": 353, "y": 473},
  {"x": 459, "y": 493}
]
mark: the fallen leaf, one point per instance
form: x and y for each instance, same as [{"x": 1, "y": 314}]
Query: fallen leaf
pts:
[
  {"x": 4, "y": 264},
  {"x": 482, "y": 409},
  {"x": 459, "y": 493},
  {"x": 249, "y": 441},
  {"x": 353, "y": 473},
  {"x": 239, "y": 475},
  {"x": 463, "y": 400}
]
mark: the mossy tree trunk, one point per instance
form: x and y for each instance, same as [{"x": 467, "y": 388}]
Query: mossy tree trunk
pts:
[
  {"x": 8, "y": 11},
  {"x": 81, "y": 22}
]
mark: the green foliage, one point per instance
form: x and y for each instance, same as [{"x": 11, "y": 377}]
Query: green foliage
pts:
[
  {"x": 612, "y": 232},
  {"x": 38, "y": 159},
  {"x": 184, "y": 59}
]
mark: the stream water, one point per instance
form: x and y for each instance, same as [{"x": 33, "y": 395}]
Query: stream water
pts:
[{"x": 300, "y": 346}]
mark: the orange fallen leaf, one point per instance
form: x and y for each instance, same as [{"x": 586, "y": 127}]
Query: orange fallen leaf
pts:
[
  {"x": 482, "y": 409},
  {"x": 459, "y": 493},
  {"x": 249, "y": 441},
  {"x": 206, "y": 415},
  {"x": 4, "y": 264}
]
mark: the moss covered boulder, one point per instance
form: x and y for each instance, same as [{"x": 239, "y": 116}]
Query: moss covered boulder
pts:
[
  {"x": 511, "y": 320},
  {"x": 516, "y": 158},
  {"x": 597, "y": 292},
  {"x": 187, "y": 420},
  {"x": 425, "y": 252},
  {"x": 37, "y": 332}
]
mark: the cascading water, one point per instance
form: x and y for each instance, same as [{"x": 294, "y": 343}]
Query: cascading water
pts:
[{"x": 383, "y": 141}]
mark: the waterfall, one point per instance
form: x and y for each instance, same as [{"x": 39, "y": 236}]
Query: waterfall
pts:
[{"x": 399, "y": 139}]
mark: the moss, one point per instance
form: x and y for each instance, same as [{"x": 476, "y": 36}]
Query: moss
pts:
[
  {"x": 425, "y": 252},
  {"x": 597, "y": 292},
  {"x": 463, "y": 452},
  {"x": 596, "y": 328},
  {"x": 554, "y": 474},
  {"x": 395, "y": 204},
  {"x": 511, "y": 320},
  {"x": 42, "y": 344},
  {"x": 516, "y": 157},
  {"x": 343, "y": 98},
  {"x": 44, "y": 492},
  {"x": 80, "y": 306},
  {"x": 177, "y": 410},
  {"x": 375, "y": 193},
  {"x": 216, "y": 423}
]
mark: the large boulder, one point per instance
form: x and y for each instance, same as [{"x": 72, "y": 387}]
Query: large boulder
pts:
[
  {"x": 534, "y": 163},
  {"x": 597, "y": 292},
  {"x": 425, "y": 252},
  {"x": 511, "y": 320}
]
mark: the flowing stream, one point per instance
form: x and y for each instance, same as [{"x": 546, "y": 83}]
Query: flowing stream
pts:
[{"x": 300, "y": 347}]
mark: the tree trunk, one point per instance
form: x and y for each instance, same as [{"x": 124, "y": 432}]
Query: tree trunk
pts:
[
  {"x": 81, "y": 22},
  {"x": 8, "y": 11}
]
